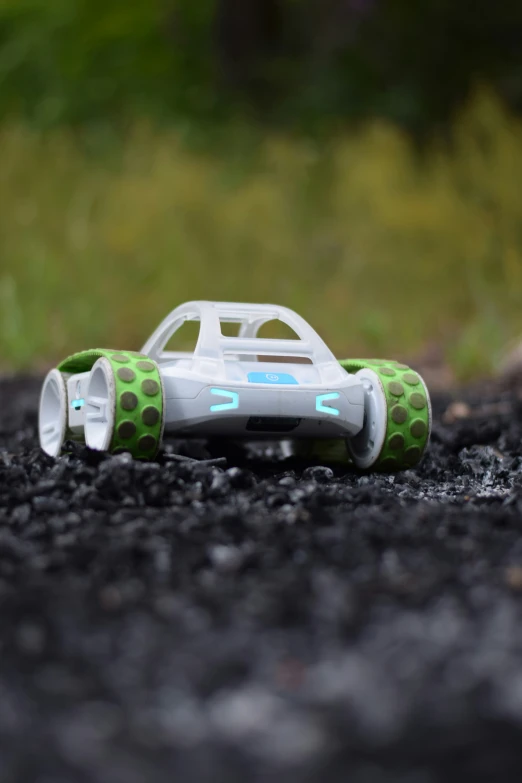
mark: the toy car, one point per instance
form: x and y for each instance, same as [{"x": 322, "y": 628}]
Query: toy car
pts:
[{"x": 375, "y": 414}]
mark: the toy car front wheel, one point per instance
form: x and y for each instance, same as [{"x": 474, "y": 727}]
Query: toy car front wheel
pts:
[
  {"x": 397, "y": 421},
  {"x": 124, "y": 406},
  {"x": 398, "y": 417}
]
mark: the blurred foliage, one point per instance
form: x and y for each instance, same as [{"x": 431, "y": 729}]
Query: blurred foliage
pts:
[
  {"x": 301, "y": 63},
  {"x": 87, "y": 60},
  {"x": 381, "y": 250}
]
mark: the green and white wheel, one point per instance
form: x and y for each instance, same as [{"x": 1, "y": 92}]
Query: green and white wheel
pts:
[
  {"x": 124, "y": 404},
  {"x": 397, "y": 420},
  {"x": 52, "y": 419},
  {"x": 398, "y": 416}
]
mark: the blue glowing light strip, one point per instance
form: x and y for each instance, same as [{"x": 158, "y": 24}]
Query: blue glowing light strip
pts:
[
  {"x": 225, "y": 406},
  {"x": 77, "y": 404},
  {"x": 326, "y": 408}
]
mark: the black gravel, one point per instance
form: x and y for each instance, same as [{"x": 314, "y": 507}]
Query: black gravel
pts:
[{"x": 259, "y": 620}]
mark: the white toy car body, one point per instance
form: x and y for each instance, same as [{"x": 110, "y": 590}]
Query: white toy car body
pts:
[
  {"x": 242, "y": 386},
  {"x": 222, "y": 388}
]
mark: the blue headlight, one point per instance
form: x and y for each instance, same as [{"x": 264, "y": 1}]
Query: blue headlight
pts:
[
  {"x": 225, "y": 406},
  {"x": 322, "y": 398}
]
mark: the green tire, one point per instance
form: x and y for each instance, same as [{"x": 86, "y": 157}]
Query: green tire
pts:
[
  {"x": 137, "y": 398},
  {"x": 405, "y": 424}
]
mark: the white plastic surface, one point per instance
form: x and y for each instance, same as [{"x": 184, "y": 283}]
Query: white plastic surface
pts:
[
  {"x": 52, "y": 420},
  {"x": 230, "y": 368},
  {"x": 212, "y": 347},
  {"x": 365, "y": 447},
  {"x": 100, "y": 406}
]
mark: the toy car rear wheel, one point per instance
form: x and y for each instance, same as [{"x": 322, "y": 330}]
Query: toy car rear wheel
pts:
[{"x": 52, "y": 418}]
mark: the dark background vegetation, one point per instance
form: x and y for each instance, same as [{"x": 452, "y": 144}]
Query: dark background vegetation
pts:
[{"x": 304, "y": 63}]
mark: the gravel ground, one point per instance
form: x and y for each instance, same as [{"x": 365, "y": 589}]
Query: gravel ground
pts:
[{"x": 260, "y": 620}]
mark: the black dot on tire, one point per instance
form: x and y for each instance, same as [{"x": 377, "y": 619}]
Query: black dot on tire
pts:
[
  {"x": 389, "y": 463},
  {"x": 399, "y": 414},
  {"x": 418, "y": 401},
  {"x": 126, "y": 374},
  {"x": 150, "y": 387},
  {"x": 396, "y": 441},
  {"x": 147, "y": 443},
  {"x": 150, "y": 416},
  {"x": 128, "y": 401},
  {"x": 126, "y": 430},
  {"x": 418, "y": 428},
  {"x": 396, "y": 389},
  {"x": 120, "y": 358},
  {"x": 412, "y": 455},
  {"x": 387, "y": 371},
  {"x": 145, "y": 366},
  {"x": 376, "y": 362},
  {"x": 401, "y": 366},
  {"x": 411, "y": 379}
]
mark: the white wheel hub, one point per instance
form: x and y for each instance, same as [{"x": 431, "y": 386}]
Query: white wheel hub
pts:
[
  {"x": 365, "y": 447},
  {"x": 100, "y": 406},
  {"x": 52, "y": 421}
]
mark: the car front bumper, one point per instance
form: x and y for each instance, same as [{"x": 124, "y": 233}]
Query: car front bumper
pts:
[{"x": 257, "y": 412}]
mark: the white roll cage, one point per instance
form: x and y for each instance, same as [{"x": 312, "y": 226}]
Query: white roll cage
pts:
[{"x": 212, "y": 345}]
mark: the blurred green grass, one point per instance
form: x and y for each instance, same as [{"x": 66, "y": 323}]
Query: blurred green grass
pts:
[{"x": 382, "y": 250}]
